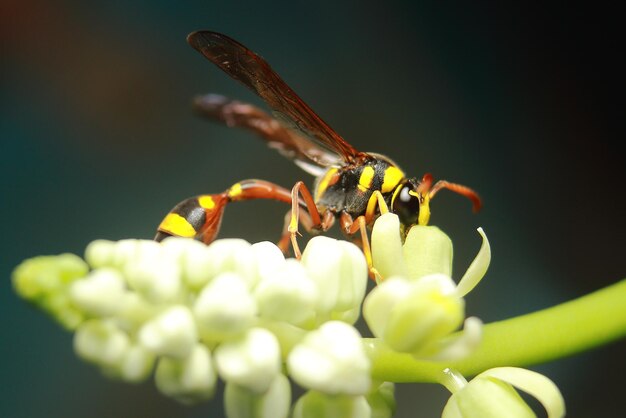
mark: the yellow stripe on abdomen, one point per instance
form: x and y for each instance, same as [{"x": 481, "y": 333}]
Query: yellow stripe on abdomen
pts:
[
  {"x": 177, "y": 225},
  {"x": 206, "y": 201}
]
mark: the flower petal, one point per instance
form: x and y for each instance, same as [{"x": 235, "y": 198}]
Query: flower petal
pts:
[
  {"x": 427, "y": 250},
  {"x": 462, "y": 344},
  {"x": 387, "y": 247},
  {"x": 533, "y": 383},
  {"x": 477, "y": 268}
]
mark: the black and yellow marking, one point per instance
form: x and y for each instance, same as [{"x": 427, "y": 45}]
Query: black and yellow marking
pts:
[
  {"x": 366, "y": 178},
  {"x": 328, "y": 179},
  {"x": 188, "y": 217},
  {"x": 391, "y": 178}
]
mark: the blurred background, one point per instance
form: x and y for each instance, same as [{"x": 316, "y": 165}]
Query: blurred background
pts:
[{"x": 98, "y": 141}]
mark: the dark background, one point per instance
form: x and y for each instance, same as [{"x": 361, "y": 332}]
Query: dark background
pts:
[{"x": 98, "y": 141}]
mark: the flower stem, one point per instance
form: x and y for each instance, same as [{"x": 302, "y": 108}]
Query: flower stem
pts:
[{"x": 538, "y": 337}]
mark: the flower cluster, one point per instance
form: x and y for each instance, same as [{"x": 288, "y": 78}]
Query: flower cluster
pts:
[{"x": 189, "y": 314}]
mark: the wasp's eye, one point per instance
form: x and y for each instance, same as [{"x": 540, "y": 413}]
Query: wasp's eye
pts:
[{"x": 406, "y": 205}]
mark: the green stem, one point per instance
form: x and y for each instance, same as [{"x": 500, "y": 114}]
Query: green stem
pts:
[{"x": 538, "y": 337}]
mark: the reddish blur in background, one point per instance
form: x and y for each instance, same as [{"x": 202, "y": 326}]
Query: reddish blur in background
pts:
[{"x": 98, "y": 141}]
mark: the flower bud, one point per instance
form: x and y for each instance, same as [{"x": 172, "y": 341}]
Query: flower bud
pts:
[
  {"x": 233, "y": 255},
  {"x": 172, "y": 333},
  {"x": 101, "y": 293},
  {"x": 190, "y": 379},
  {"x": 332, "y": 360},
  {"x": 224, "y": 308},
  {"x": 316, "y": 404},
  {"x": 101, "y": 342},
  {"x": 251, "y": 361},
  {"x": 269, "y": 259},
  {"x": 287, "y": 295},
  {"x": 158, "y": 279},
  {"x": 44, "y": 281},
  {"x": 340, "y": 271},
  {"x": 241, "y": 402},
  {"x": 193, "y": 259},
  {"x": 136, "y": 365}
]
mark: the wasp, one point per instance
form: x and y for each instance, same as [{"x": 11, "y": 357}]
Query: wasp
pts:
[{"x": 351, "y": 186}]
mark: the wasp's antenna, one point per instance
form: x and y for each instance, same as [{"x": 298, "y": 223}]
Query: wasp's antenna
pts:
[{"x": 457, "y": 188}]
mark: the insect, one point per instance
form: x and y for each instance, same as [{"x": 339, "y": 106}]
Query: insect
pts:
[{"x": 351, "y": 186}]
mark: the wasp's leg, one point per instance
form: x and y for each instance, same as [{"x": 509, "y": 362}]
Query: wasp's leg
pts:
[
  {"x": 200, "y": 217},
  {"x": 350, "y": 226},
  {"x": 316, "y": 222},
  {"x": 328, "y": 219}
]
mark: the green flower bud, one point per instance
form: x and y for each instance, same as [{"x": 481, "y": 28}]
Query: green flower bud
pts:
[{"x": 45, "y": 281}]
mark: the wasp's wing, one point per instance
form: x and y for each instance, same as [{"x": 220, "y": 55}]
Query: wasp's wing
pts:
[
  {"x": 306, "y": 154},
  {"x": 247, "y": 67}
]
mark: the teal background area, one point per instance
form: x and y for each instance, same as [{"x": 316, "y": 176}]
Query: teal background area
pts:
[{"x": 523, "y": 103}]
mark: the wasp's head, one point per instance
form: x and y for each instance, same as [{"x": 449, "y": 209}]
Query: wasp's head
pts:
[
  {"x": 411, "y": 199},
  {"x": 410, "y": 203}
]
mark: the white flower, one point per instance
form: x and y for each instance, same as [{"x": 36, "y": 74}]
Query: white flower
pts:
[
  {"x": 332, "y": 360},
  {"x": 417, "y": 308},
  {"x": 413, "y": 317},
  {"x": 426, "y": 250},
  {"x": 251, "y": 361}
]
